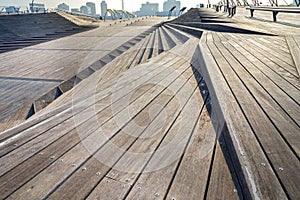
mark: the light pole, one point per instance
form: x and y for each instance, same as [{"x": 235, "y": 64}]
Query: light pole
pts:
[{"x": 32, "y": 6}]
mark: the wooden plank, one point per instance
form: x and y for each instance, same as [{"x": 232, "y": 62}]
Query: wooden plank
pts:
[
  {"x": 272, "y": 44},
  {"x": 156, "y": 46},
  {"x": 160, "y": 42},
  {"x": 69, "y": 106},
  {"x": 295, "y": 51},
  {"x": 279, "y": 49},
  {"x": 277, "y": 151},
  {"x": 79, "y": 153},
  {"x": 221, "y": 185},
  {"x": 169, "y": 38},
  {"x": 283, "y": 122},
  {"x": 192, "y": 176},
  {"x": 44, "y": 138},
  {"x": 17, "y": 118},
  {"x": 259, "y": 59},
  {"x": 290, "y": 93},
  {"x": 147, "y": 52},
  {"x": 17, "y": 177},
  {"x": 254, "y": 178},
  {"x": 183, "y": 36},
  {"x": 287, "y": 63},
  {"x": 139, "y": 135},
  {"x": 155, "y": 181},
  {"x": 141, "y": 52},
  {"x": 273, "y": 59}
]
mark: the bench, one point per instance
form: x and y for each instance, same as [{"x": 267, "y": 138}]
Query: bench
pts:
[{"x": 275, "y": 11}]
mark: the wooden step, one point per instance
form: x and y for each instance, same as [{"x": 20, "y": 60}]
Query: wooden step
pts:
[
  {"x": 181, "y": 36},
  {"x": 167, "y": 38},
  {"x": 148, "y": 51},
  {"x": 160, "y": 41}
]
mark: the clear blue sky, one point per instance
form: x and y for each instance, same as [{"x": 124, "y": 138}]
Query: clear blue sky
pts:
[{"x": 130, "y": 5}]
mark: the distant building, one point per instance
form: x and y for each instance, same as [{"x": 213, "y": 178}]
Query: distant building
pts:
[
  {"x": 85, "y": 10},
  {"x": 148, "y": 9},
  {"x": 63, "y": 6},
  {"x": 103, "y": 8},
  {"x": 37, "y": 7},
  {"x": 11, "y": 9},
  {"x": 75, "y": 10},
  {"x": 162, "y": 14},
  {"x": 169, "y": 4},
  {"x": 92, "y": 7}
]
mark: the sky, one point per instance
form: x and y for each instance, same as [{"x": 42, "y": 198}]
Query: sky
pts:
[{"x": 130, "y": 5}]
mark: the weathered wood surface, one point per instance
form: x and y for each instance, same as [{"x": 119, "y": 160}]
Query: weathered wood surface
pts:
[
  {"x": 260, "y": 73},
  {"x": 294, "y": 46},
  {"x": 29, "y": 73},
  {"x": 213, "y": 119}
]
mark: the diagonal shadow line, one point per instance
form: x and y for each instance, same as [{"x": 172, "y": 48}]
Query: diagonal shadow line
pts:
[
  {"x": 221, "y": 28},
  {"x": 277, "y": 22}
]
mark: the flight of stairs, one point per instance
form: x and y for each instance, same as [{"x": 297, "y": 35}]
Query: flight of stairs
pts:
[
  {"x": 19, "y": 31},
  {"x": 141, "y": 49}
]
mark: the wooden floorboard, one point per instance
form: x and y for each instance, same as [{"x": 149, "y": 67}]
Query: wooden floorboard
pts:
[
  {"x": 271, "y": 138},
  {"x": 286, "y": 63},
  {"x": 128, "y": 162},
  {"x": 221, "y": 185},
  {"x": 155, "y": 112},
  {"x": 156, "y": 183},
  {"x": 294, "y": 47},
  {"x": 285, "y": 123},
  {"x": 66, "y": 120},
  {"x": 258, "y": 59},
  {"x": 52, "y": 150},
  {"x": 195, "y": 164},
  {"x": 247, "y": 145},
  {"x": 60, "y": 60},
  {"x": 94, "y": 135}
]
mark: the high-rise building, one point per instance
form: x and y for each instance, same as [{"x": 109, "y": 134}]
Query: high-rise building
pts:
[
  {"x": 148, "y": 9},
  {"x": 103, "y": 8},
  {"x": 92, "y": 6},
  {"x": 169, "y": 4},
  {"x": 85, "y": 10},
  {"x": 37, "y": 7},
  {"x": 63, "y": 6},
  {"x": 75, "y": 10}
]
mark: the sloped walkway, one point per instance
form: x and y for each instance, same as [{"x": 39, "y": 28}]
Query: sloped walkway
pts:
[{"x": 215, "y": 118}]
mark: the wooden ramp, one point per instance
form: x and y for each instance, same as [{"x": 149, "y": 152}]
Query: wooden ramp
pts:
[
  {"x": 128, "y": 152},
  {"x": 39, "y": 74},
  {"x": 257, "y": 90},
  {"x": 183, "y": 110}
]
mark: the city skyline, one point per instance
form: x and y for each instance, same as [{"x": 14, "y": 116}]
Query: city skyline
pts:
[{"x": 114, "y": 4}]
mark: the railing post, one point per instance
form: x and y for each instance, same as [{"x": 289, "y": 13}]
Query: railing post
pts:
[
  {"x": 274, "y": 15},
  {"x": 251, "y": 12}
]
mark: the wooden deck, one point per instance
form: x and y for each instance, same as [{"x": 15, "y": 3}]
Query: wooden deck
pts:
[
  {"x": 40, "y": 73},
  {"x": 187, "y": 111}
]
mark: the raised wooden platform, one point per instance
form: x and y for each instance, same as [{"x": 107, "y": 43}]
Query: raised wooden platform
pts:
[{"x": 181, "y": 110}]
